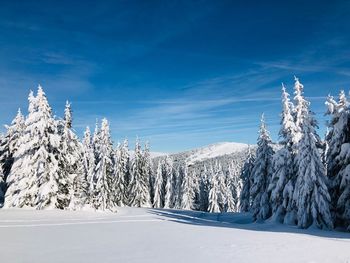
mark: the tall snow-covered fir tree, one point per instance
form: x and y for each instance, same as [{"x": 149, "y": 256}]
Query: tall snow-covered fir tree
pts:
[
  {"x": 261, "y": 175},
  {"x": 71, "y": 162},
  {"x": 103, "y": 196},
  {"x": 89, "y": 160},
  {"x": 234, "y": 187},
  {"x": 214, "y": 195},
  {"x": 187, "y": 190},
  {"x": 247, "y": 179},
  {"x": 139, "y": 184},
  {"x": 284, "y": 176},
  {"x": 310, "y": 195},
  {"x": 125, "y": 169},
  {"x": 338, "y": 159},
  {"x": 8, "y": 146},
  {"x": 37, "y": 179},
  {"x": 10, "y": 142},
  {"x": 204, "y": 188},
  {"x": 147, "y": 170},
  {"x": 169, "y": 184},
  {"x": 119, "y": 181},
  {"x": 158, "y": 186}
]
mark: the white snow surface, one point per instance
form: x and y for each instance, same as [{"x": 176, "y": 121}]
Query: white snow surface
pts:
[
  {"x": 148, "y": 235},
  {"x": 215, "y": 150}
]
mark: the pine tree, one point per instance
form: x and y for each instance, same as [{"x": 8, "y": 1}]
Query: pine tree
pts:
[
  {"x": 233, "y": 188},
  {"x": 8, "y": 146},
  {"x": 10, "y": 142},
  {"x": 338, "y": 160},
  {"x": 119, "y": 182},
  {"x": 139, "y": 184},
  {"x": 246, "y": 177},
  {"x": 204, "y": 189},
  {"x": 284, "y": 176},
  {"x": 169, "y": 186},
  {"x": 311, "y": 195},
  {"x": 213, "y": 197},
  {"x": 158, "y": 186},
  {"x": 36, "y": 172},
  {"x": 179, "y": 177},
  {"x": 125, "y": 169},
  {"x": 104, "y": 172},
  {"x": 89, "y": 162},
  {"x": 147, "y": 170},
  {"x": 221, "y": 184},
  {"x": 71, "y": 164},
  {"x": 261, "y": 175},
  {"x": 187, "y": 190}
]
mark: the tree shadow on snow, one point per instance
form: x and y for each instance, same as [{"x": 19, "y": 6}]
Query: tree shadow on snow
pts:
[{"x": 242, "y": 221}]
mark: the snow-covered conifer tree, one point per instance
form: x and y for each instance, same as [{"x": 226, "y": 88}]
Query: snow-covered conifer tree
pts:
[
  {"x": 119, "y": 181},
  {"x": 71, "y": 163},
  {"x": 246, "y": 177},
  {"x": 158, "y": 186},
  {"x": 169, "y": 185},
  {"x": 139, "y": 183},
  {"x": 204, "y": 187},
  {"x": 213, "y": 197},
  {"x": 187, "y": 190},
  {"x": 261, "y": 175},
  {"x": 338, "y": 159},
  {"x": 38, "y": 181},
  {"x": 284, "y": 176},
  {"x": 103, "y": 197},
  {"x": 311, "y": 195},
  {"x": 89, "y": 160},
  {"x": 10, "y": 142}
]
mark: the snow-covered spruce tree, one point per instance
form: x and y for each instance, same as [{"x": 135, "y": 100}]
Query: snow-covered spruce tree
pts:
[
  {"x": 89, "y": 161},
  {"x": 124, "y": 161},
  {"x": 71, "y": 163},
  {"x": 147, "y": 169},
  {"x": 261, "y": 175},
  {"x": 179, "y": 177},
  {"x": 103, "y": 196},
  {"x": 222, "y": 186},
  {"x": 169, "y": 185},
  {"x": 36, "y": 176},
  {"x": 246, "y": 178},
  {"x": 284, "y": 176},
  {"x": 9, "y": 143},
  {"x": 311, "y": 195},
  {"x": 119, "y": 180},
  {"x": 234, "y": 186},
  {"x": 158, "y": 186},
  {"x": 337, "y": 157},
  {"x": 213, "y": 197},
  {"x": 187, "y": 190},
  {"x": 204, "y": 187},
  {"x": 139, "y": 183},
  {"x": 8, "y": 146}
]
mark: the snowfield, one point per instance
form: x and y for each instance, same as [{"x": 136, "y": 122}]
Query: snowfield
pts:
[
  {"x": 149, "y": 235},
  {"x": 215, "y": 150}
]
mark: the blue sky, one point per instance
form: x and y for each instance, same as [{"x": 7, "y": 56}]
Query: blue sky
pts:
[{"x": 180, "y": 74}]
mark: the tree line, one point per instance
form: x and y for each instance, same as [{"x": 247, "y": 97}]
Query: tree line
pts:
[{"x": 303, "y": 180}]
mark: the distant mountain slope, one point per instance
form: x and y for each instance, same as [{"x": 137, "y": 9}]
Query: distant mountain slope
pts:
[
  {"x": 215, "y": 150},
  {"x": 224, "y": 152}
]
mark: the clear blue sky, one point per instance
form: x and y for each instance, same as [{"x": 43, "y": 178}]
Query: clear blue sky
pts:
[{"x": 180, "y": 74}]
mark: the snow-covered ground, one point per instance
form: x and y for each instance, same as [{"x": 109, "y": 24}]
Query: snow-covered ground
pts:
[
  {"x": 147, "y": 235},
  {"x": 215, "y": 150}
]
